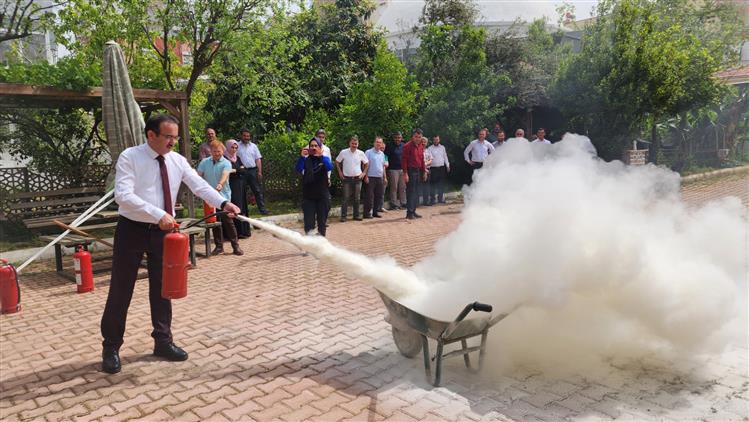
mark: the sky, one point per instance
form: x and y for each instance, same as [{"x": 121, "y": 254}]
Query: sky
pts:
[{"x": 399, "y": 15}]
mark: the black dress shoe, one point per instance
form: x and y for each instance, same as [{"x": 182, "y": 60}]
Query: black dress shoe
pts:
[
  {"x": 409, "y": 216},
  {"x": 417, "y": 215},
  {"x": 265, "y": 212},
  {"x": 170, "y": 352},
  {"x": 110, "y": 361},
  {"x": 376, "y": 216}
]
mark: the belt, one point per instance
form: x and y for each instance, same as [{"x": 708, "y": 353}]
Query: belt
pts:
[{"x": 145, "y": 226}]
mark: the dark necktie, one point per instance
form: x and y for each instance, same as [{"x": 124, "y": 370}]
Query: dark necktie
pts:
[{"x": 165, "y": 186}]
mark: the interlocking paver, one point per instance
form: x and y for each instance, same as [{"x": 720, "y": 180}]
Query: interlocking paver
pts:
[{"x": 277, "y": 335}]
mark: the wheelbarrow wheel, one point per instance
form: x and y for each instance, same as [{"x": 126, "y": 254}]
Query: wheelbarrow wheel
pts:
[{"x": 408, "y": 342}]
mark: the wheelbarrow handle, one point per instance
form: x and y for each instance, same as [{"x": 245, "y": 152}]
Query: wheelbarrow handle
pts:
[
  {"x": 482, "y": 307},
  {"x": 475, "y": 306}
]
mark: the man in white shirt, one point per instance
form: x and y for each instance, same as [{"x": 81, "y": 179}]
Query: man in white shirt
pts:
[
  {"x": 147, "y": 180},
  {"x": 351, "y": 164},
  {"x": 478, "y": 151},
  {"x": 500, "y": 139},
  {"x": 375, "y": 179},
  {"x": 438, "y": 171},
  {"x": 519, "y": 135},
  {"x": 250, "y": 155},
  {"x": 541, "y": 137}
]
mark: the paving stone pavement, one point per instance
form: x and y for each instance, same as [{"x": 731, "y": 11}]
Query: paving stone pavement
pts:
[{"x": 275, "y": 335}]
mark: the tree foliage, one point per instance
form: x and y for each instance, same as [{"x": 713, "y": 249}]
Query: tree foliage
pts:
[
  {"x": 19, "y": 18},
  {"x": 305, "y": 61},
  {"x": 382, "y": 104},
  {"x": 643, "y": 61}
]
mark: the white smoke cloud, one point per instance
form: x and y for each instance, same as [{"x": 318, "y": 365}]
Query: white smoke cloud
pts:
[{"x": 605, "y": 261}]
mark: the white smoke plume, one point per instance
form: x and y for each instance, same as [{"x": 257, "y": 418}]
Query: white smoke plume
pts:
[
  {"x": 596, "y": 261},
  {"x": 604, "y": 261}
]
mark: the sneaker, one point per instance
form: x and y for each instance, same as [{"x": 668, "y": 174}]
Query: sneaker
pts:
[{"x": 219, "y": 250}]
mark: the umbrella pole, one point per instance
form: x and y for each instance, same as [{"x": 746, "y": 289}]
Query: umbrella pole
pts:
[{"x": 78, "y": 221}]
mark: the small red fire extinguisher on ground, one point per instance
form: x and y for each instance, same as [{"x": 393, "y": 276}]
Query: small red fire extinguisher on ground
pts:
[
  {"x": 84, "y": 274},
  {"x": 10, "y": 291},
  {"x": 176, "y": 262},
  {"x": 208, "y": 210}
]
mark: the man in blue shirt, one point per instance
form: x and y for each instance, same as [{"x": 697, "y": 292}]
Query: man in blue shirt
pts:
[
  {"x": 215, "y": 170},
  {"x": 375, "y": 179}
]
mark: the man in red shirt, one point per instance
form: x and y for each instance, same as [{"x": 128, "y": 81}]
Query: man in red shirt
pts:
[{"x": 414, "y": 170}]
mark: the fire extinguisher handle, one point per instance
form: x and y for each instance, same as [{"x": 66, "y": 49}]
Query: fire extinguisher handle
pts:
[{"x": 3, "y": 260}]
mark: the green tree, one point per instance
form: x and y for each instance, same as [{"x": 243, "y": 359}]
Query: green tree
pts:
[
  {"x": 384, "y": 103},
  {"x": 19, "y": 18},
  {"x": 459, "y": 88},
  {"x": 293, "y": 64},
  {"x": 644, "y": 61}
]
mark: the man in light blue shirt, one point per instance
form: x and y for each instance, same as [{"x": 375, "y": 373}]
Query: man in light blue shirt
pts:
[
  {"x": 375, "y": 179},
  {"x": 215, "y": 170}
]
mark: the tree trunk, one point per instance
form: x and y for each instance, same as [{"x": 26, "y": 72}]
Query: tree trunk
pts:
[{"x": 653, "y": 154}]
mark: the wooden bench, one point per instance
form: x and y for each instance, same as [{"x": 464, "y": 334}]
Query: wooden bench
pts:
[{"x": 39, "y": 210}]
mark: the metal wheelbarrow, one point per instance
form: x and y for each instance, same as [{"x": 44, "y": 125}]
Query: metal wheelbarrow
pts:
[{"x": 411, "y": 331}]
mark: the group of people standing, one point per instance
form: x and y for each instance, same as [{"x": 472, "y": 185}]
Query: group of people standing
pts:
[{"x": 233, "y": 170}]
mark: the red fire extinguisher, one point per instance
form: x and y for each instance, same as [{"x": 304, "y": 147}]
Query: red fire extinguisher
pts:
[
  {"x": 84, "y": 274},
  {"x": 10, "y": 292},
  {"x": 176, "y": 262},
  {"x": 208, "y": 210}
]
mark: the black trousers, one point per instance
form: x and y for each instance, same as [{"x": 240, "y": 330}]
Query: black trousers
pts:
[
  {"x": 239, "y": 198},
  {"x": 315, "y": 211},
  {"x": 131, "y": 240},
  {"x": 228, "y": 227},
  {"x": 437, "y": 177},
  {"x": 254, "y": 184},
  {"x": 412, "y": 190},
  {"x": 374, "y": 196}
]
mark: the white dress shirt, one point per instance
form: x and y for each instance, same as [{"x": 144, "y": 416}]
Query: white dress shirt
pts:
[
  {"x": 439, "y": 156},
  {"x": 376, "y": 166},
  {"x": 538, "y": 141},
  {"x": 138, "y": 188},
  {"x": 478, "y": 151},
  {"x": 352, "y": 161},
  {"x": 248, "y": 153}
]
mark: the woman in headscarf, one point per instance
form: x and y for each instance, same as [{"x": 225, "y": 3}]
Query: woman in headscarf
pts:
[
  {"x": 314, "y": 168},
  {"x": 238, "y": 187}
]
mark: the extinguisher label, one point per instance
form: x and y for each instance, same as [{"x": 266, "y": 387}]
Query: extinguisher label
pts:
[
  {"x": 78, "y": 279},
  {"x": 77, "y": 264}
]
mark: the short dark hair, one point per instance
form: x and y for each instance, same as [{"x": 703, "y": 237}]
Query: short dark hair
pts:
[
  {"x": 154, "y": 122},
  {"x": 397, "y": 133},
  {"x": 320, "y": 131},
  {"x": 540, "y": 129},
  {"x": 417, "y": 130},
  {"x": 243, "y": 130},
  {"x": 353, "y": 138}
]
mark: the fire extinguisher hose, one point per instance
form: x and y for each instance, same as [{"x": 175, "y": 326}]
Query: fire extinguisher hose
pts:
[{"x": 216, "y": 214}]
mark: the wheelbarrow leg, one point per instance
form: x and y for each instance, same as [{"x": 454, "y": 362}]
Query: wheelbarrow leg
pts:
[
  {"x": 483, "y": 348},
  {"x": 425, "y": 347},
  {"x": 466, "y": 358},
  {"x": 438, "y": 364}
]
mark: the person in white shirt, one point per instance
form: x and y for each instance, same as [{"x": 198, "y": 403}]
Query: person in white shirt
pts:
[
  {"x": 438, "y": 170},
  {"x": 250, "y": 155},
  {"x": 541, "y": 137},
  {"x": 375, "y": 179},
  {"x": 478, "y": 151},
  {"x": 351, "y": 165},
  {"x": 500, "y": 139},
  {"x": 147, "y": 179},
  {"x": 519, "y": 135}
]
